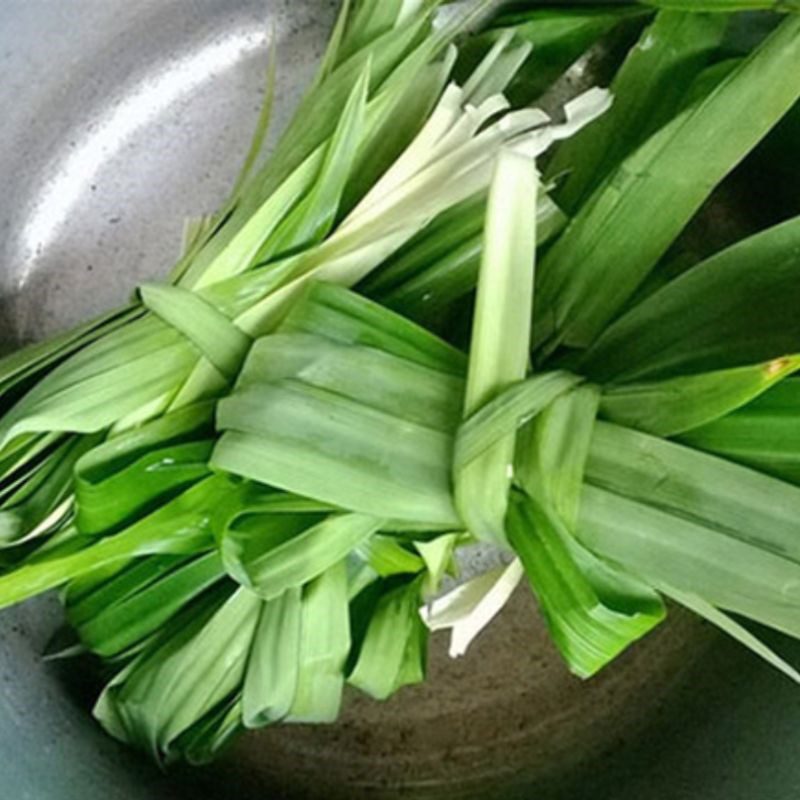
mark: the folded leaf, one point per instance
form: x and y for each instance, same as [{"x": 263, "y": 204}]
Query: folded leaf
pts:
[
  {"x": 499, "y": 353},
  {"x": 390, "y": 655},
  {"x": 502, "y": 416},
  {"x": 293, "y": 437},
  {"x": 135, "y": 472},
  {"x": 324, "y": 645},
  {"x": 270, "y": 684},
  {"x": 180, "y": 527},
  {"x": 182, "y": 677},
  {"x": 269, "y": 569},
  {"x": 339, "y": 314},
  {"x": 588, "y": 632},
  {"x": 552, "y": 451},
  {"x": 136, "y": 614}
]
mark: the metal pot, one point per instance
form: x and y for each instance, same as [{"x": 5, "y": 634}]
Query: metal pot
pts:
[{"x": 121, "y": 119}]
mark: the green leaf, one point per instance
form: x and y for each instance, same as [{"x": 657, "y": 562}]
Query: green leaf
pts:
[
  {"x": 438, "y": 268},
  {"x": 510, "y": 410},
  {"x": 499, "y": 353},
  {"x": 438, "y": 557},
  {"x": 270, "y": 684},
  {"x": 86, "y": 597},
  {"x": 127, "y": 617},
  {"x": 181, "y": 526},
  {"x": 396, "y": 386},
  {"x": 450, "y": 160},
  {"x": 676, "y": 405},
  {"x": 339, "y": 314},
  {"x": 28, "y": 362},
  {"x": 274, "y": 189},
  {"x": 314, "y": 216},
  {"x": 182, "y": 677},
  {"x": 324, "y": 645},
  {"x": 665, "y": 548},
  {"x": 736, "y": 309},
  {"x": 399, "y": 116},
  {"x": 387, "y": 556},
  {"x": 104, "y": 382},
  {"x": 318, "y": 444},
  {"x": 657, "y": 190},
  {"x": 764, "y": 434},
  {"x": 368, "y": 21},
  {"x": 210, "y": 331},
  {"x": 497, "y": 69},
  {"x": 559, "y": 36},
  {"x": 35, "y": 499},
  {"x": 588, "y": 632},
  {"x": 453, "y": 228},
  {"x": 207, "y": 739},
  {"x": 271, "y": 568},
  {"x": 730, "y": 499},
  {"x": 392, "y": 654},
  {"x": 648, "y": 90},
  {"x": 133, "y": 473},
  {"x": 302, "y": 418},
  {"x": 552, "y": 451}
]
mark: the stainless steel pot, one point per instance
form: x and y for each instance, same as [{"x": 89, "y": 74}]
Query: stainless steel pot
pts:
[{"x": 119, "y": 120}]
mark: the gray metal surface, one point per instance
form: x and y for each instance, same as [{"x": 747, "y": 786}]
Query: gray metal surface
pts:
[{"x": 122, "y": 118}]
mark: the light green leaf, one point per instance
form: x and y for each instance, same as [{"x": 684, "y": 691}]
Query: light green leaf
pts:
[
  {"x": 270, "y": 683},
  {"x": 392, "y": 640},
  {"x": 339, "y": 314},
  {"x": 181, "y": 678},
  {"x": 396, "y": 386},
  {"x": 666, "y": 548},
  {"x": 387, "y": 556},
  {"x": 214, "y": 335},
  {"x": 314, "y": 215},
  {"x": 324, "y": 645},
  {"x": 104, "y": 382},
  {"x": 499, "y": 353},
  {"x": 318, "y": 444},
  {"x": 508, "y": 411},
  {"x": 552, "y": 451},
  {"x": 730, "y": 499},
  {"x": 272, "y": 568},
  {"x": 438, "y": 268}
]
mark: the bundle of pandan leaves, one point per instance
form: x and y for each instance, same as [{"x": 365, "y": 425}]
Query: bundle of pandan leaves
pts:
[{"x": 251, "y": 482}]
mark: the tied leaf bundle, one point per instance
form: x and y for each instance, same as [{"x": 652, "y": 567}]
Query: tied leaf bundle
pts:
[{"x": 252, "y": 483}]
